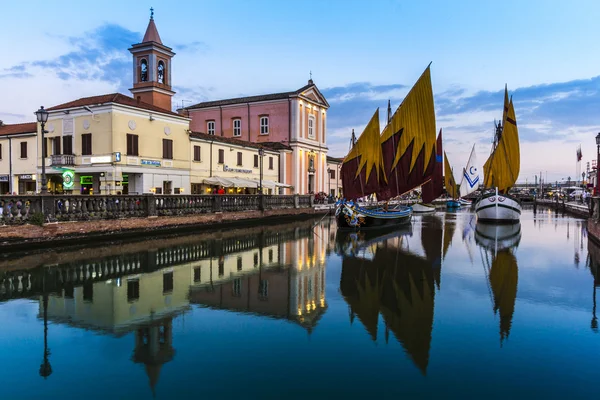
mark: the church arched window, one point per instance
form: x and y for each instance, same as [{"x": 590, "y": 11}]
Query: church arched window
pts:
[
  {"x": 161, "y": 72},
  {"x": 144, "y": 70}
]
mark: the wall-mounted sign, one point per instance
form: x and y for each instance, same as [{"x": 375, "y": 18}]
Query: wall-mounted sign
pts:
[
  {"x": 118, "y": 156},
  {"x": 3, "y": 178},
  {"x": 26, "y": 177},
  {"x": 68, "y": 179},
  {"x": 151, "y": 162},
  {"x": 86, "y": 180},
  {"x": 100, "y": 159},
  {"x": 240, "y": 170}
]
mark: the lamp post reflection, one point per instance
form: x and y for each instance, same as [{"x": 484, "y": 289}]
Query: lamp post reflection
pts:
[{"x": 45, "y": 367}]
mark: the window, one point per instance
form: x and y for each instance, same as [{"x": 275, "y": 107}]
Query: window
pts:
[
  {"x": 133, "y": 290},
  {"x": 143, "y": 70},
  {"x": 56, "y": 145},
  {"x": 210, "y": 127},
  {"x": 168, "y": 282},
  {"x": 167, "y": 187},
  {"x": 23, "y": 149},
  {"x": 161, "y": 72},
  {"x": 68, "y": 145},
  {"x": 197, "y": 274},
  {"x": 332, "y": 174},
  {"x": 270, "y": 162},
  {"x": 239, "y": 158},
  {"x": 0, "y": 151},
  {"x": 237, "y": 287},
  {"x": 311, "y": 127},
  {"x": 197, "y": 153},
  {"x": 264, "y": 125},
  {"x": 221, "y": 266},
  {"x": 132, "y": 145},
  {"x": 264, "y": 288},
  {"x": 221, "y": 156},
  {"x": 255, "y": 260},
  {"x": 255, "y": 161},
  {"x": 88, "y": 292},
  {"x": 168, "y": 149},
  {"x": 237, "y": 127},
  {"x": 239, "y": 263},
  {"x": 86, "y": 144},
  {"x": 270, "y": 255}
]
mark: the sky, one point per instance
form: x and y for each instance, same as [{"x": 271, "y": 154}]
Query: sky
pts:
[{"x": 361, "y": 53}]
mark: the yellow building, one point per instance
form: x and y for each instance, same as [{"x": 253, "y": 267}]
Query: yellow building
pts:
[
  {"x": 334, "y": 181},
  {"x": 18, "y": 158}
]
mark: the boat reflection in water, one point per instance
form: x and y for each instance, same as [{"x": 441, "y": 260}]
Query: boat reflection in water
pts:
[
  {"x": 381, "y": 276},
  {"x": 498, "y": 243}
]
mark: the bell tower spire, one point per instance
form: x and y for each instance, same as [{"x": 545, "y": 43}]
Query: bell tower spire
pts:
[{"x": 152, "y": 69}]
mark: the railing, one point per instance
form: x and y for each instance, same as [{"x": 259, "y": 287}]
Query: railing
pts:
[
  {"x": 62, "y": 159},
  {"x": 20, "y": 209}
]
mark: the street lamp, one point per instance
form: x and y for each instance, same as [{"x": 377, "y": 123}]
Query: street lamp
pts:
[
  {"x": 261, "y": 153},
  {"x": 42, "y": 118},
  {"x": 329, "y": 175},
  {"x": 597, "y": 163}
]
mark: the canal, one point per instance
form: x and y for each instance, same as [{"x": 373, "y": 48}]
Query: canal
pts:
[{"x": 447, "y": 308}]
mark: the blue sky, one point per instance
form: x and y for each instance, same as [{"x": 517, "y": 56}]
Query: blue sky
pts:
[{"x": 361, "y": 53}]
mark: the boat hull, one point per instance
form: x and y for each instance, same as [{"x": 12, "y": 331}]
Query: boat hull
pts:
[
  {"x": 352, "y": 217},
  {"x": 498, "y": 208},
  {"x": 498, "y": 237},
  {"x": 420, "y": 208},
  {"x": 465, "y": 203},
  {"x": 452, "y": 204}
]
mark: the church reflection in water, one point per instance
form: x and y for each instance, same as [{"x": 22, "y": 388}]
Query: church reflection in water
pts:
[{"x": 276, "y": 273}]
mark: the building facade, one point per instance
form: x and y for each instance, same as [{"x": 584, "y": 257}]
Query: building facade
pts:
[
  {"x": 297, "y": 120},
  {"x": 18, "y": 153},
  {"x": 334, "y": 181}
]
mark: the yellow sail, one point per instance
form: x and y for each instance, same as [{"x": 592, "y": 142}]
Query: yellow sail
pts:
[
  {"x": 505, "y": 103},
  {"x": 501, "y": 170},
  {"x": 368, "y": 148},
  {"x": 449, "y": 181},
  {"x": 504, "y": 276}
]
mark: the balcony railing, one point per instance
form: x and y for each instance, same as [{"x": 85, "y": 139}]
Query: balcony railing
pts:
[{"x": 63, "y": 160}]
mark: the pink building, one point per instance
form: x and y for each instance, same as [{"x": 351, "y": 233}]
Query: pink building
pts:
[{"x": 297, "y": 119}]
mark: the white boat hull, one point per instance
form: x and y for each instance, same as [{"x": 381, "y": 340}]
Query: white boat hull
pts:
[
  {"x": 498, "y": 208},
  {"x": 498, "y": 237},
  {"x": 423, "y": 208}
]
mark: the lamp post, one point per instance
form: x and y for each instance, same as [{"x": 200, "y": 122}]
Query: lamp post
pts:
[
  {"x": 329, "y": 179},
  {"x": 42, "y": 118},
  {"x": 261, "y": 153}
]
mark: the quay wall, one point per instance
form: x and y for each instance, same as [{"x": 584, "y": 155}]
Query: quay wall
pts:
[
  {"x": 593, "y": 226},
  {"x": 574, "y": 208}
]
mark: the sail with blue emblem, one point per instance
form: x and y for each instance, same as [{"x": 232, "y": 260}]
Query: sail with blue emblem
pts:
[{"x": 470, "y": 179}]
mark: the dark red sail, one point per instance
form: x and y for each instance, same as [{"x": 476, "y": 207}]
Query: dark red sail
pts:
[{"x": 434, "y": 188}]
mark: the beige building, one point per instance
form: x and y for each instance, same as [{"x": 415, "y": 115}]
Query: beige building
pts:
[
  {"x": 18, "y": 158},
  {"x": 334, "y": 182}
]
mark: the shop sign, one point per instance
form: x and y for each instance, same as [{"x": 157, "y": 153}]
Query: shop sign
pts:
[
  {"x": 26, "y": 177},
  {"x": 101, "y": 159},
  {"x": 68, "y": 179},
  {"x": 240, "y": 170},
  {"x": 151, "y": 162},
  {"x": 3, "y": 178},
  {"x": 118, "y": 156},
  {"x": 86, "y": 180}
]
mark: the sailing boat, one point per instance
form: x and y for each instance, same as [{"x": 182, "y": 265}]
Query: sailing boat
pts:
[
  {"x": 500, "y": 265},
  {"x": 391, "y": 164},
  {"x": 501, "y": 171},
  {"x": 434, "y": 188},
  {"x": 470, "y": 179},
  {"x": 451, "y": 186}
]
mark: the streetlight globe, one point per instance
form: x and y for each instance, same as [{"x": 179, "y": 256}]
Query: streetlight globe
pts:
[{"x": 42, "y": 116}]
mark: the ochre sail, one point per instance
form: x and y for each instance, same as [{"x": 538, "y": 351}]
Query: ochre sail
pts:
[
  {"x": 501, "y": 170},
  {"x": 434, "y": 188},
  {"x": 408, "y": 141},
  {"x": 504, "y": 276},
  {"x": 505, "y": 109},
  {"x": 363, "y": 166},
  {"x": 449, "y": 180}
]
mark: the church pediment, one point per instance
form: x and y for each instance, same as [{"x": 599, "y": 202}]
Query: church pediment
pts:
[{"x": 313, "y": 94}]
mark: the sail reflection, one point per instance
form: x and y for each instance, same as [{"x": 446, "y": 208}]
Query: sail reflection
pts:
[
  {"x": 498, "y": 243},
  {"x": 394, "y": 282}
]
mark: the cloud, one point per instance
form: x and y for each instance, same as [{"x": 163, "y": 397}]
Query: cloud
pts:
[{"x": 196, "y": 46}]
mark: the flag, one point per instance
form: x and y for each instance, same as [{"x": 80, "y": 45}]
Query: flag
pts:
[{"x": 579, "y": 153}]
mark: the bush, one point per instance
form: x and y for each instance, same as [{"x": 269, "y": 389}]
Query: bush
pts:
[{"x": 37, "y": 219}]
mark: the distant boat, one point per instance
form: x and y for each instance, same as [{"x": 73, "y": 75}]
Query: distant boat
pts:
[
  {"x": 501, "y": 171},
  {"x": 390, "y": 164},
  {"x": 470, "y": 179},
  {"x": 451, "y": 186}
]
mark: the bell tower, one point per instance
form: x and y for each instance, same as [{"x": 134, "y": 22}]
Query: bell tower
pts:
[{"x": 152, "y": 69}]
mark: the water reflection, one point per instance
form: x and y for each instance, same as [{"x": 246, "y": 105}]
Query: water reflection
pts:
[
  {"x": 594, "y": 266},
  {"x": 498, "y": 243}
]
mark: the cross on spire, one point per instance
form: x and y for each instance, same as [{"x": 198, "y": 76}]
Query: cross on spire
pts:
[
  {"x": 311, "y": 75},
  {"x": 151, "y": 13}
]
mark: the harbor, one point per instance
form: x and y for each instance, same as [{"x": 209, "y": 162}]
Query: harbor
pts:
[{"x": 289, "y": 294}]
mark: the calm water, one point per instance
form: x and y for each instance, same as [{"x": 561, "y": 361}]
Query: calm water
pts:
[{"x": 445, "y": 309}]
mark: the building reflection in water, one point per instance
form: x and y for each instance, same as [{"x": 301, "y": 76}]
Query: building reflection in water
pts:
[
  {"x": 380, "y": 276},
  {"x": 498, "y": 243},
  {"x": 275, "y": 272},
  {"x": 594, "y": 266}
]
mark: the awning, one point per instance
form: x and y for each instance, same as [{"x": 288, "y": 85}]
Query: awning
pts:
[{"x": 218, "y": 181}]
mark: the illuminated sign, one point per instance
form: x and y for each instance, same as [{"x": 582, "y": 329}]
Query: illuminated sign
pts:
[
  {"x": 68, "y": 179},
  {"x": 240, "y": 170},
  {"x": 86, "y": 180},
  {"x": 100, "y": 159},
  {"x": 26, "y": 177},
  {"x": 3, "y": 178},
  {"x": 118, "y": 156},
  {"x": 151, "y": 162}
]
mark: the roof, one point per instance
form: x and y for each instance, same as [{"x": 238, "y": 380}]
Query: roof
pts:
[
  {"x": 263, "y": 97},
  {"x": 151, "y": 33},
  {"x": 116, "y": 98},
  {"x": 335, "y": 159},
  {"x": 237, "y": 142},
  {"x": 15, "y": 129}
]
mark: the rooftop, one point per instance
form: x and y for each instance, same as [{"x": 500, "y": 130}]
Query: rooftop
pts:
[
  {"x": 116, "y": 98},
  {"x": 237, "y": 142},
  {"x": 15, "y": 129}
]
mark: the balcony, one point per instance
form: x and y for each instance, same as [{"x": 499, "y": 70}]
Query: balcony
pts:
[{"x": 62, "y": 160}]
